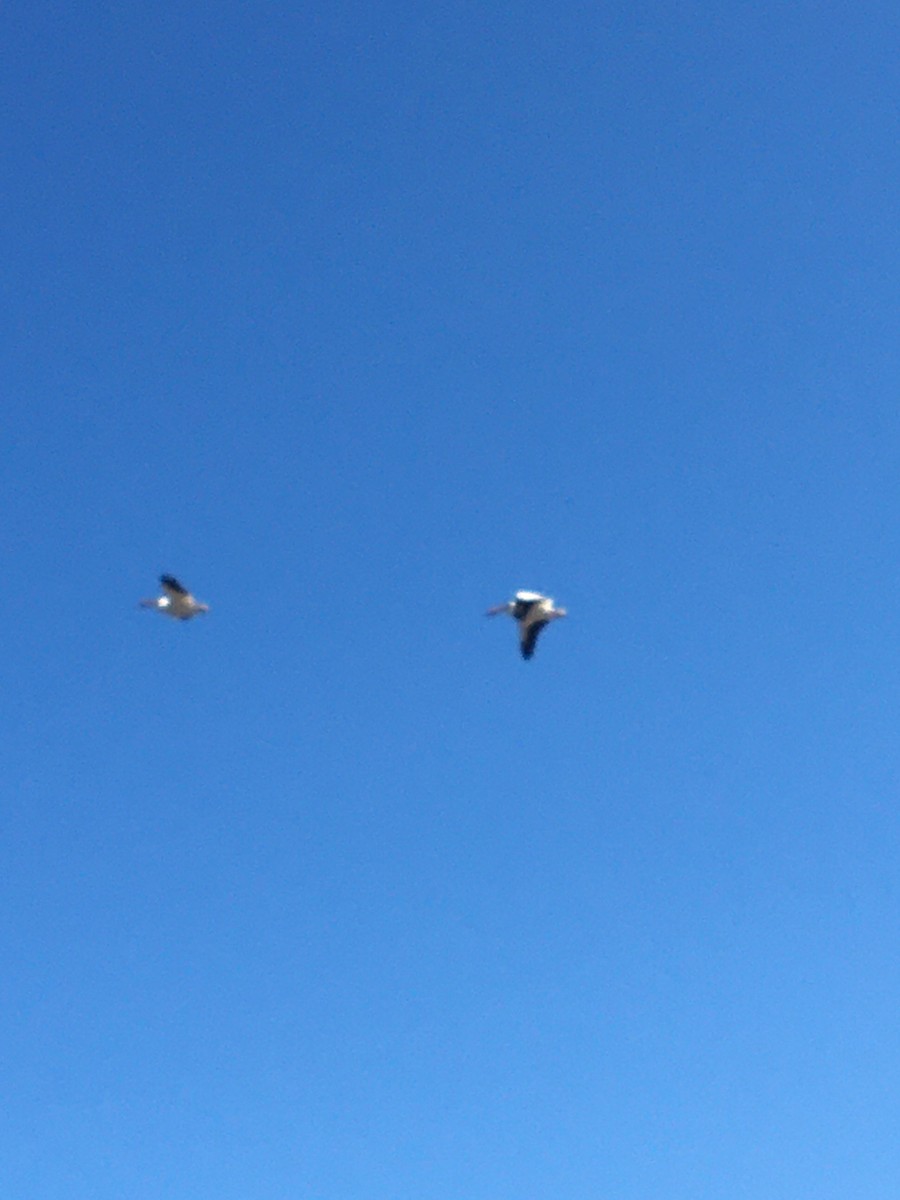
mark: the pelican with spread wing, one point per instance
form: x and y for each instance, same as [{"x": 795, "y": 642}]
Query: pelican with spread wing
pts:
[
  {"x": 533, "y": 612},
  {"x": 176, "y": 601}
]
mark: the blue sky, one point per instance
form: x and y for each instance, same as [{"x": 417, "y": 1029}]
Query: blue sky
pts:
[{"x": 358, "y": 318}]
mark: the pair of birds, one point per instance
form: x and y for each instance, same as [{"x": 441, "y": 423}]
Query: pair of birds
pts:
[{"x": 532, "y": 611}]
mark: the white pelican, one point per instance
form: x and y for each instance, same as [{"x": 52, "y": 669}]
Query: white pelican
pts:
[
  {"x": 533, "y": 611},
  {"x": 176, "y": 602}
]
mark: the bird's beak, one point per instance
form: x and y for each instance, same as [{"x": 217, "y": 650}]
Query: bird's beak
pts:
[{"x": 562, "y": 612}]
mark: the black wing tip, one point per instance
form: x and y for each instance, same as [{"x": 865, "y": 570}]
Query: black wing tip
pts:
[
  {"x": 171, "y": 582},
  {"x": 529, "y": 641}
]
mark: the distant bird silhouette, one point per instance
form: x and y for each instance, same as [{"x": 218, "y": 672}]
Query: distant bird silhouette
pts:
[
  {"x": 532, "y": 611},
  {"x": 176, "y": 602}
]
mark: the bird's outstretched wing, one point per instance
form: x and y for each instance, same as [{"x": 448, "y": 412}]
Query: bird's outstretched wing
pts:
[
  {"x": 530, "y": 637},
  {"x": 172, "y": 587}
]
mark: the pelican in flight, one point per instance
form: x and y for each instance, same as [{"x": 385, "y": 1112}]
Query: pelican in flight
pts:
[
  {"x": 176, "y": 600},
  {"x": 532, "y": 611}
]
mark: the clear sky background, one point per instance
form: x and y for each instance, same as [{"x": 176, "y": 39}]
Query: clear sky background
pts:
[{"x": 358, "y": 317}]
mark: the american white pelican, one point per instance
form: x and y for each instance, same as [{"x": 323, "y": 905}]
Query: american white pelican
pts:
[
  {"x": 176, "y": 602},
  {"x": 533, "y": 611}
]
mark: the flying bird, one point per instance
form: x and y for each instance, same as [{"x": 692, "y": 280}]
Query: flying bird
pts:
[
  {"x": 176, "y": 600},
  {"x": 532, "y": 611}
]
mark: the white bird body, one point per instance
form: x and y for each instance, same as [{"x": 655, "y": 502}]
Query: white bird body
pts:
[
  {"x": 532, "y": 611},
  {"x": 176, "y": 601}
]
